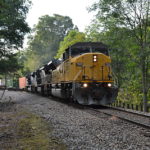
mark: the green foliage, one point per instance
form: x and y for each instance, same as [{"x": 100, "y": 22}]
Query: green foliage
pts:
[
  {"x": 31, "y": 63},
  {"x": 12, "y": 24},
  {"x": 9, "y": 64},
  {"x": 119, "y": 44},
  {"x": 73, "y": 37},
  {"x": 13, "y": 27},
  {"x": 93, "y": 32},
  {"x": 131, "y": 91},
  {"x": 124, "y": 26},
  {"x": 44, "y": 42}
]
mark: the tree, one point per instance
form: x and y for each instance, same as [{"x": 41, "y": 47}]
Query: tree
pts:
[
  {"x": 135, "y": 16},
  {"x": 46, "y": 37},
  {"x": 12, "y": 24},
  {"x": 118, "y": 49},
  {"x": 9, "y": 64},
  {"x": 31, "y": 62},
  {"x": 73, "y": 37}
]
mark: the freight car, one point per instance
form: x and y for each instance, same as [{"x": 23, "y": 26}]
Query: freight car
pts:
[
  {"x": 83, "y": 75},
  {"x": 22, "y": 83}
]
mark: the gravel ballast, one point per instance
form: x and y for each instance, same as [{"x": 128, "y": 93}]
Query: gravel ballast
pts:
[{"x": 81, "y": 130}]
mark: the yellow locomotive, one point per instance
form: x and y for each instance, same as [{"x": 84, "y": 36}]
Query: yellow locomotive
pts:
[{"x": 84, "y": 75}]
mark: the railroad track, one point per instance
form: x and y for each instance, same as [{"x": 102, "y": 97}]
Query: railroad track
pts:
[
  {"x": 141, "y": 120},
  {"x": 129, "y": 111},
  {"x": 128, "y": 116}
]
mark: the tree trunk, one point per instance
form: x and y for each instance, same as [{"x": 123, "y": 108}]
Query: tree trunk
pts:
[
  {"x": 5, "y": 81},
  {"x": 145, "y": 108},
  {"x": 144, "y": 82}
]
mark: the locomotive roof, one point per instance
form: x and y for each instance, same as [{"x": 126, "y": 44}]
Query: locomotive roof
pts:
[
  {"x": 85, "y": 47},
  {"x": 99, "y": 45}
]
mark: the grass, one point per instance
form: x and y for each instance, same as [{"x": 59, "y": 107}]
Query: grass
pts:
[{"x": 22, "y": 130}]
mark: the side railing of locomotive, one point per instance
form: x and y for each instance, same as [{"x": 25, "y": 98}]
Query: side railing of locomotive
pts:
[
  {"x": 31, "y": 82},
  {"x": 46, "y": 76},
  {"x": 85, "y": 77},
  {"x": 28, "y": 82},
  {"x": 40, "y": 80}
]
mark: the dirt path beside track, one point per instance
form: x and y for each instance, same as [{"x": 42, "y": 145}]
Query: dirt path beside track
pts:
[{"x": 21, "y": 129}]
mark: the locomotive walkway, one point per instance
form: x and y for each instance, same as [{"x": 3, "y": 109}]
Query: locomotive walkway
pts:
[{"x": 73, "y": 127}]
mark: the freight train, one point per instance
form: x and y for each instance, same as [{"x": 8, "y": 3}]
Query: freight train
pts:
[{"x": 83, "y": 75}]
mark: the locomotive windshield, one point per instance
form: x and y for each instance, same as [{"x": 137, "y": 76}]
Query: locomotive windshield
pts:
[
  {"x": 79, "y": 51},
  {"x": 85, "y": 47},
  {"x": 88, "y": 47}
]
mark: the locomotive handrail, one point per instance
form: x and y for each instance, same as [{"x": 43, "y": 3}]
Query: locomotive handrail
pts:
[{"x": 79, "y": 72}]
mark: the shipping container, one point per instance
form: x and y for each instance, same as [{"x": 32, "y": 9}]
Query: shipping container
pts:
[{"x": 22, "y": 83}]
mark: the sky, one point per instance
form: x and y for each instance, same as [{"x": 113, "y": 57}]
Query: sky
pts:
[{"x": 75, "y": 9}]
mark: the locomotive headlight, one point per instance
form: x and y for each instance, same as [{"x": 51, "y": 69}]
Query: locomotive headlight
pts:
[
  {"x": 94, "y": 58},
  {"x": 85, "y": 85},
  {"x": 109, "y": 84}
]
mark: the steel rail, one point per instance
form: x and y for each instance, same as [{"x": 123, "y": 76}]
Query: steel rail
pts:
[
  {"x": 128, "y": 111},
  {"x": 122, "y": 118}
]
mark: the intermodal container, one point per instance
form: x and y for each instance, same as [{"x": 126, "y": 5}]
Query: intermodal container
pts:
[{"x": 22, "y": 83}]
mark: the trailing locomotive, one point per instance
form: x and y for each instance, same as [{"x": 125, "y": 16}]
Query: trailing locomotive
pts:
[{"x": 83, "y": 75}]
